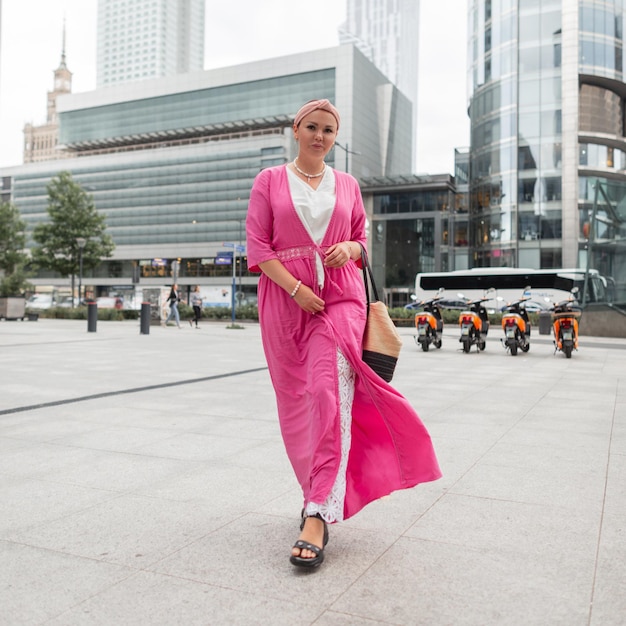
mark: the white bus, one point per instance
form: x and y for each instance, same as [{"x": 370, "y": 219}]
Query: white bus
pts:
[{"x": 508, "y": 284}]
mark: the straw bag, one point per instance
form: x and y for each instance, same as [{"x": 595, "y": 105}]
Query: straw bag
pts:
[{"x": 381, "y": 341}]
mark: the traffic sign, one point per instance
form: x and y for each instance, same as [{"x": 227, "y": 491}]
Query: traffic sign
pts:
[{"x": 229, "y": 244}]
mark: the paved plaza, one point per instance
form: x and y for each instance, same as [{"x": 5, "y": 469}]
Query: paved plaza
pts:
[{"x": 143, "y": 481}]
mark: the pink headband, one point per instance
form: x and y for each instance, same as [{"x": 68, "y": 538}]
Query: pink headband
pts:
[{"x": 316, "y": 105}]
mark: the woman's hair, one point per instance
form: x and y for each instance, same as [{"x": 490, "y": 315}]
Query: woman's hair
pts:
[{"x": 316, "y": 105}]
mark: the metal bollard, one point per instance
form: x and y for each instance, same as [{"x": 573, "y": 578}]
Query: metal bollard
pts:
[
  {"x": 144, "y": 325},
  {"x": 92, "y": 317}
]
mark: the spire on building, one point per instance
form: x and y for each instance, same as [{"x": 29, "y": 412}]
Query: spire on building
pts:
[{"x": 40, "y": 142}]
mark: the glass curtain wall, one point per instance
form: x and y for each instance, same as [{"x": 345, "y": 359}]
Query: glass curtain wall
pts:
[
  {"x": 602, "y": 143},
  {"x": 515, "y": 111}
]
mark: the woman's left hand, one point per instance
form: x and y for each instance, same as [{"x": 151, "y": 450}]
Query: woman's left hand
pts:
[{"x": 338, "y": 254}]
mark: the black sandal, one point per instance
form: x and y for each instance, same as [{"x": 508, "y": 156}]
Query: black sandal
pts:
[{"x": 317, "y": 560}]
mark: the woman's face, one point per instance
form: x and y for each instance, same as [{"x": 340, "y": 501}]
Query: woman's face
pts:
[{"x": 316, "y": 134}]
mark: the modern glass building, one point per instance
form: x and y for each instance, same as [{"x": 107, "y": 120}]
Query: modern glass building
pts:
[
  {"x": 170, "y": 162},
  {"x": 418, "y": 224},
  {"x": 387, "y": 32},
  {"x": 141, "y": 39},
  {"x": 547, "y": 183}
]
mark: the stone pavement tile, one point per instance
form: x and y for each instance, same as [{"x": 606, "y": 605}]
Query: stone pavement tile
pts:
[
  {"x": 530, "y": 476},
  {"x": 116, "y": 438},
  {"x": 115, "y": 471},
  {"x": 223, "y": 487},
  {"x": 41, "y": 460},
  {"x": 8, "y": 443},
  {"x": 424, "y": 582},
  {"x": 334, "y": 618},
  {"x": 252, "y": 555},
  {"x": 36, "y": 584},
  {"x": 609, "y": 600},
  {"x": 549, "y": 435},
  {"x": 190, "y": 446},
  {"x": 266, "y": 455},
  {"x": 130, "y": 530},
  {"x": 125, "y": 411},
  {"x": 26, "y": 502},
  {"x": 535, "y": 530},
  {"x": 158, "y": 600}
]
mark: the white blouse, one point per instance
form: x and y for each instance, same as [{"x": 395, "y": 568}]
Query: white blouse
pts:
[{"x": 314, "y": 208}]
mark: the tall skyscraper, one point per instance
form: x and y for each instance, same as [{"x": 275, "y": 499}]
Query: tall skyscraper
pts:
[
  {"x": 548, "y": 143},
  {"x": 140, "y": 39},
  {"x": 387, "y": 32}
]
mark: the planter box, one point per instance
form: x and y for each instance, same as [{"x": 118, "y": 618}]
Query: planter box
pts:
[{"x": 12, "y": 308}]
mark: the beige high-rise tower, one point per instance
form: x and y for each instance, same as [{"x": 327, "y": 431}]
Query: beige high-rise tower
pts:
[{"x": 40, "y": 142}]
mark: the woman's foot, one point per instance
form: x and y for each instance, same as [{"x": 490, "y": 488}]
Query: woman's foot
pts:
[{"x": 308, "y": 551}]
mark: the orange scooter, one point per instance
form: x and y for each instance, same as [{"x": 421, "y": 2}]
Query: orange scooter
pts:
[
  {"x": 565, "y": 316},
  {"x": 474, "y": 325},
  {"x": 429, "y": 323},
  {"x": 516, "y": 327}
]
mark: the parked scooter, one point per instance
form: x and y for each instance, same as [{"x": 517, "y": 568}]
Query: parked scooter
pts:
[
  {"x": 474, "y": 323},
  {"x": 429, "y": 323},
  {"x": 516, "y": 326},
  {"x": 565, "y": 316}
]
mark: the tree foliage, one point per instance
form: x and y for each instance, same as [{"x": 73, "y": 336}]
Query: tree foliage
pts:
[
  {"x": 73, "y": 215},
  {"x": 13, "y": 258}
]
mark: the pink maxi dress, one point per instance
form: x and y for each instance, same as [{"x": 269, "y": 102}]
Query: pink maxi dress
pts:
[{"x": 389, "y": 447}]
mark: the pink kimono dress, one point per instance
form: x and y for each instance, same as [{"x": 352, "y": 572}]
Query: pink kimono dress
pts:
[{"x": 315, "y": 361}]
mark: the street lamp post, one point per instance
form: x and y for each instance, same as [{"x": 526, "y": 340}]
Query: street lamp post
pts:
[
  {"x": 81, "y": 241},
  {"x": 347, "y": 150}
]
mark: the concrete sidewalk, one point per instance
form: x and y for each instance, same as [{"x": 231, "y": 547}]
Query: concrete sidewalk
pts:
[{"x": 143, "y": 480}]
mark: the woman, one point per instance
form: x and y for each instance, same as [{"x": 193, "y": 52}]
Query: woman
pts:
[
  {"x": 196, "y": 303},
  {"x": 173, "y": 299},
  {"x": 351, "y": 438}
]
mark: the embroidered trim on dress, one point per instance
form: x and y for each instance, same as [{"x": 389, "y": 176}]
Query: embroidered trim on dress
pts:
[
  {"x": 301, "y": 252},
  {"x": 332, "y": 509}
]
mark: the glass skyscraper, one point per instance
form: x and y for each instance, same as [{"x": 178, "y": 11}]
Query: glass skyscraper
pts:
[
  {"x": 548, "y": 148},
  {"x": 140, "y": 39},
  {"x": 387, "y": 33}
]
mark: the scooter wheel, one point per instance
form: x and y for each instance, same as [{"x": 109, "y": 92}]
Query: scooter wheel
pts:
[
  {"x": 526, "y": 347},
  {"x": 437, "y": 344},
  {"x": 425, "y": 346},
  {"x": 482, "y": 345},
  {"x": 568, "y": 351},
  {"x": 513, "y": 348},
  {"x": 466, "y": 346}
]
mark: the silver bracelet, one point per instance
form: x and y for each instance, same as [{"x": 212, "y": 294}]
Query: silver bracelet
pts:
[{"x": 295, "y": 289}]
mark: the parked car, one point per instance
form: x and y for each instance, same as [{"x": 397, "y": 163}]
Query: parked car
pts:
[
  {"x": 109, "y": 302},
  {"x": 40, "y": 301},
  {"x": 67, "y": 302}
]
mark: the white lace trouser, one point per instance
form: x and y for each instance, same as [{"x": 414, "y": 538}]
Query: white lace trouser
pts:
[{"x": 332, "y": 509}]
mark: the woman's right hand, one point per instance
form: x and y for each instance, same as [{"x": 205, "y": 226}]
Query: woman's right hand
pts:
[{"x": 307, "y": 300}]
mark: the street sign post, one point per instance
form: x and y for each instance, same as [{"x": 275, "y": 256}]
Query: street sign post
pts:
[{"x": 236, "y": 248}]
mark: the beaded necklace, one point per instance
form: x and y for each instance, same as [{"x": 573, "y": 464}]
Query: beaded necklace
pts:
[{"x": 308, "y": 176}]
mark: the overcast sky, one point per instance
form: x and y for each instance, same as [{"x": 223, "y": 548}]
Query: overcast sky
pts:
[{"x": 237, "y": 31}]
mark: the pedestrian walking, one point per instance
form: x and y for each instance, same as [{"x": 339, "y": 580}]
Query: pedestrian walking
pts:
[
  {"x": 196, "y": 303},
  {"x": 173, "y": 299},
  {"x": 351, "y": 437}
]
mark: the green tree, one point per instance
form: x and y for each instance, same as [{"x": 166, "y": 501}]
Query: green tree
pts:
[
  {"x": 13, "y": 258},
  {"x": 73, "y": 216}
]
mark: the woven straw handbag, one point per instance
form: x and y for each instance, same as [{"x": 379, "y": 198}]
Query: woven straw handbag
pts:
[{"x": 381, "y": 341}]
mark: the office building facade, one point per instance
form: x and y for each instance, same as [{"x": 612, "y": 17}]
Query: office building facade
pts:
[
  {"x": 170, "y": 162},
  {"x": 387, "y": 32},
  {"x": 143, "y": 39},
  {"x": 547, "y": 90}
]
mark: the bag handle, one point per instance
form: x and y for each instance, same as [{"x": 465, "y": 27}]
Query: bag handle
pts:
[{"x": 367, "y": 274}]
